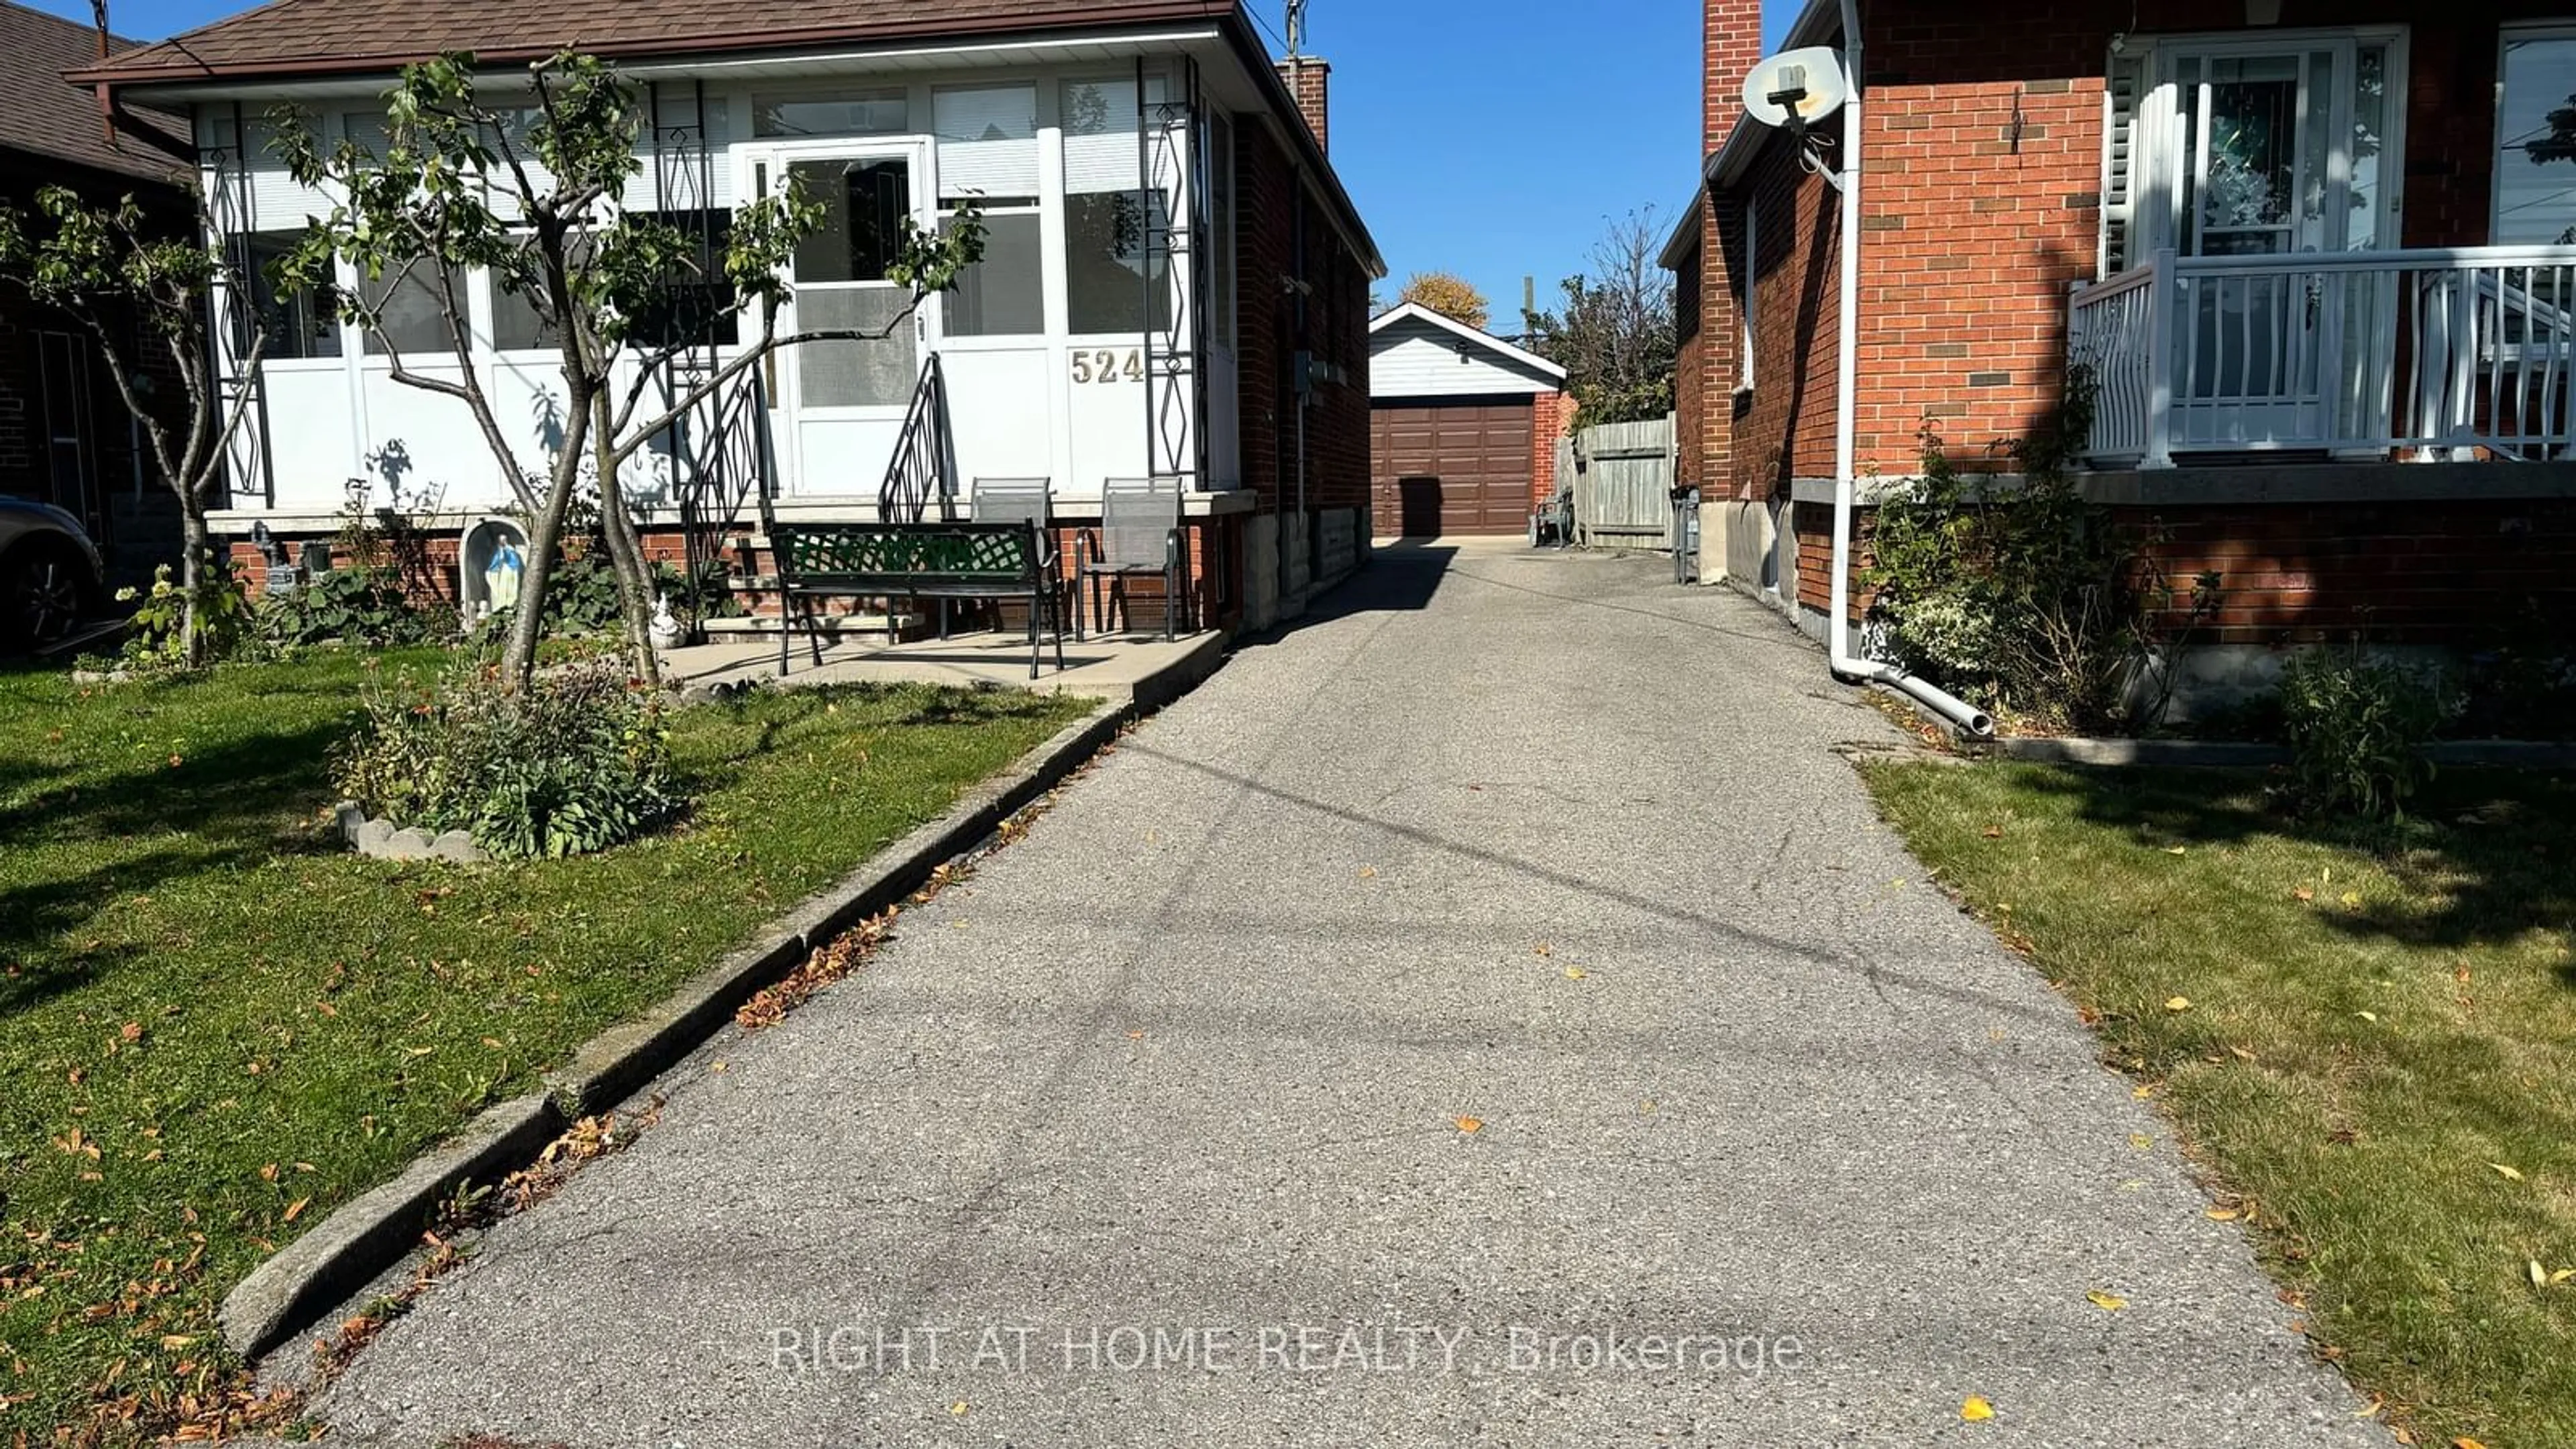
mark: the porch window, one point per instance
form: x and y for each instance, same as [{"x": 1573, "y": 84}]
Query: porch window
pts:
[
  {"x": 2535, "y": 192},
  {"x": 411, "y": 313},
  {"x": 301, "y": 322},
  {"x": 857, "y": 113},
  {"x": 1220, "y": 143},
  {"x": 1109, "y": 268},
  {"x": 988, "y": 152}
]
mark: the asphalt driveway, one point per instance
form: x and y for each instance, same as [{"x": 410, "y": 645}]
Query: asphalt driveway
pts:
[{"x": 1158, "y": 1130}]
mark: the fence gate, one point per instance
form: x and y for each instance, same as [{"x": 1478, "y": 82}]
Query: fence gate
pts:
[{"x": 1623, "y": 484}]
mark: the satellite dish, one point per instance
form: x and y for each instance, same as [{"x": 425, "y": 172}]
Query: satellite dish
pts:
[{"x": 1796, "y": 87}]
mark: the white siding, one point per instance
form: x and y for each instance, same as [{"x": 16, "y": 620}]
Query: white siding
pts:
[{"x": 1417, "y": 359}]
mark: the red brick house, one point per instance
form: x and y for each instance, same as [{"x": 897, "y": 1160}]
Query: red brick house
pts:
[
  {"x": 65, "y": 438},
  {"x": 1175, "y": 281},
  {"x": 2320, "y": 260}
]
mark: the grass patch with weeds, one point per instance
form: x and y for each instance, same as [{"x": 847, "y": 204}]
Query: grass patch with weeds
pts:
[
  {"x": 2369, "y": 1032},
  {"x": 216, "y": 1024}
]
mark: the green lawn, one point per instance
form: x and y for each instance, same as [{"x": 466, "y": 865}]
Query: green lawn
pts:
[
  {"x": 215, "y": 1026},
  {"x": 2374, "y": 1042}
]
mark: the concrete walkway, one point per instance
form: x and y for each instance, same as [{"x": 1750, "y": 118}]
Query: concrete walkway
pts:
[{"x": 1150, "y": 1134}]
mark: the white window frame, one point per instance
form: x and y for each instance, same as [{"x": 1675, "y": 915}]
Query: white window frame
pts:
[
  {"x": 2505, "y": 35},
  {"x": 1747, "y": 297},
  {"x": 2149, "y": 230}
]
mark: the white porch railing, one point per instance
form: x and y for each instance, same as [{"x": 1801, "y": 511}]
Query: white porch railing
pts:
[{"x": 2459, "y": 353}]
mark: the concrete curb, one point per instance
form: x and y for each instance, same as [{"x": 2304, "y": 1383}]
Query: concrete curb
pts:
[
  {"x": 2241, "y": 755},
  {"x": 361, "y": 1238},
  {"x": 346, "y": 1250}
]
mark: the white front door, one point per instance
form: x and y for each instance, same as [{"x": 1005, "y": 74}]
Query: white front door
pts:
[
  {"x": 843, "y": 402},
  {"x": 2272, "y": 147}
]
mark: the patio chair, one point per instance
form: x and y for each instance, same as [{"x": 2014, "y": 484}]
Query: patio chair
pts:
[
  {"x": 1023, "y": 500},
  {"x": 1139, "y": 536}
]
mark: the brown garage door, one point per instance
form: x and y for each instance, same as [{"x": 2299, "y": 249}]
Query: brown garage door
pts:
[{"x": 1451, "y": 468}]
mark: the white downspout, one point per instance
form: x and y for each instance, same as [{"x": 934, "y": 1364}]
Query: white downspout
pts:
[{"x": 1838, "y": 651}]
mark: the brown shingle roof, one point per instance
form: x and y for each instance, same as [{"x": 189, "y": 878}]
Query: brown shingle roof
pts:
[
  {"x": 317, "y": 36},
  {"x": 45, "y": 115}
]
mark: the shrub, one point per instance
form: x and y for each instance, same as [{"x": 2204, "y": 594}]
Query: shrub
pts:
[
  {"x": 224, "y": 619},
  {"x": 2024, "y": 597},
  {"x": 577, "y": 762},
  {"x": 354, "y": 606},
  {"x": 2357, "y": 727}
]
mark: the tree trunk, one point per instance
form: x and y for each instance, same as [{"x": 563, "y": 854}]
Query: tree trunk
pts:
[
  {"x": 193, "y": 558},
  {"x": 625, "y": 552},
  {"x": 519, "y": 660}
]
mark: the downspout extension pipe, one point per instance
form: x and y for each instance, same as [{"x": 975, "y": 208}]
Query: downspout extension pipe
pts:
[{"x": 1847, "y": 664}]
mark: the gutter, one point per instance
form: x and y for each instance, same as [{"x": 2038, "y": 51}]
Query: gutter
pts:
[{"x": 1840, "y": 657}]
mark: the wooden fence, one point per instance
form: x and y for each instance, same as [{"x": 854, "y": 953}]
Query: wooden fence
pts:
[{"x": 1622, "y": 482}]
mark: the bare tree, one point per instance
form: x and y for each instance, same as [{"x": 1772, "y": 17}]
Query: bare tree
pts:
[{"x": 1614, "y": 336}]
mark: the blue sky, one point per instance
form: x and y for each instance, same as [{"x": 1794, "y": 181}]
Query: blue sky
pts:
[{"x": 1492, "y": 138}]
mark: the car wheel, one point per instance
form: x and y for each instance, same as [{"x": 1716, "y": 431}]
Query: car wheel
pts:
[{"x": 42, "y": 589}]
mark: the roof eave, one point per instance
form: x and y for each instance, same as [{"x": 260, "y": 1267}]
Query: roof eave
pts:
[
  {"x": 1108, "y": 13},
  {"x": 1684, "y": 236}
]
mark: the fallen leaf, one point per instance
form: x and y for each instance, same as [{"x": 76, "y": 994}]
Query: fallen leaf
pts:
[
  {"x": 1994, "y": 832},
  {"x": 719, "y": 1066},
  {"x": 2240, "y": 1053},
  {"x": 2509, "y": 1174},
  {"x": 1575, "y": 973},
  {"x": 131, "y": 1031},
  {"x": 2177, "y": 1003},
  {"x": 2107, "y": 1302},
  {"x": 1976, "y": 1410},
  {"x": 1471, "y": 1124},
  {"x": 2539, "y": 1275},
  {"x": 1368, "y": 872},
  {"x": 2177, "y": 849},
  {"x": 176, "y": 1341},
  {"x": 2304, "y": 893},
  {"x": 2367, "y": 1015},
  {"x": 268, "y": 1173},
  {"x": 2465, "y": 1442},
  {"x": 957, "y": 1408},
  {"x": 2220, "y": 1215},
  {"x": 295, "y": 1209},
  {"x": 1542, "y": 949},
  {"x": 2142, "y": 1091},
  {"x": 2561, "y": 1275},
  {"x": 2141, "y": 1141},
  {"x": 2352, "y": 900}
]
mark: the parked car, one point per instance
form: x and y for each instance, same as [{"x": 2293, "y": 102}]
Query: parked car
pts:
[{"x": 50, "y": 573}]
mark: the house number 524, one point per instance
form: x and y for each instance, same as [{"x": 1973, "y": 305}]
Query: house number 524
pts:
[{"x": 1106, "y": 366}]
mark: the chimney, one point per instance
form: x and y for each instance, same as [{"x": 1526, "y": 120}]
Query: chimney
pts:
[
  {"x": 1306, "y": 76},
  {"x": 1732, "y": 47}
]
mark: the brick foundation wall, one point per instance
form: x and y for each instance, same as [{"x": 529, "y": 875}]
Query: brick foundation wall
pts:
[
  {"x": 426, "y": 566},
  {"x": 2448, "y": 573}
]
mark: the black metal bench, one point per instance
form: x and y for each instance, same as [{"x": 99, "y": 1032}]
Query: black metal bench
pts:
[{"x": 914, "y": 561}]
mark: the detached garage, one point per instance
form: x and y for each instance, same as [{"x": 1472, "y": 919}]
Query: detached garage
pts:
[{"x": 1463, "y": 427}]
